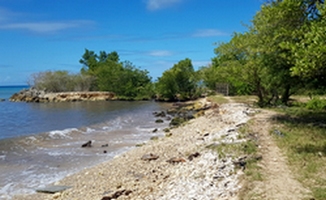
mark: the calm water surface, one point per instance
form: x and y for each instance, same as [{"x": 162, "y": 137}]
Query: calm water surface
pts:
[{"x": 40, "y": 143}]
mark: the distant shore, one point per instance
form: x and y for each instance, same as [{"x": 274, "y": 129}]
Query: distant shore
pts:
[
  {"x": 40, "y": 96},
  {"x": 173, "y": 167}
]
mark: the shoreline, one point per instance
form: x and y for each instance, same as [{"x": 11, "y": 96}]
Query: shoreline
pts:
[
  {"x": 171, "y": 167},
  {"x": 40, "y": 96}
]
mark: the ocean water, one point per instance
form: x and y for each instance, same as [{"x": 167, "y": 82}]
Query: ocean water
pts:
[{"x": 40, "y": 143}]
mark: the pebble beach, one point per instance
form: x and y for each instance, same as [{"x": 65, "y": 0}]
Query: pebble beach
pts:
[{"x": 179, "y": 165}]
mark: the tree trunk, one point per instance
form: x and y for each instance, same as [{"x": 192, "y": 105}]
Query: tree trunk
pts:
[
  {"x": 286, "y": 94},
  {"x": 260, "y": 95}
]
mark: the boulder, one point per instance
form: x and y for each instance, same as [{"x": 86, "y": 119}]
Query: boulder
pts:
[
  {"x": 160, "y": 114},
  {"x": 87, "y": 144},
  {"x": 159, "y": 121}
]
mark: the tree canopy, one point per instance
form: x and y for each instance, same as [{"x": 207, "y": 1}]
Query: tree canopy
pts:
[
  {"x": 122, "y": 78},
  {"x": 178, "y": 83},
  {"x": 282, "y": 50}
]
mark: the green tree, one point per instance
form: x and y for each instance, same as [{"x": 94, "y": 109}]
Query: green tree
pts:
[
  {"x": 309, "y": 52},
  {"x": 236, "y": 64},
  {"x": 122, "y": 78},
  {"x": 275, "y": 24},
  {"x": 167, "y": 87},
  {"x": 179, "y": 82},
  {"x": 91, "y": 61},
  {"x": 108, "y": 76},
  {"x": 263, "y": 58}
]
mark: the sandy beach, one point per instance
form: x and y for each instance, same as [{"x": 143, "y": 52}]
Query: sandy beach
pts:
[{"x": 177, "y": 166}]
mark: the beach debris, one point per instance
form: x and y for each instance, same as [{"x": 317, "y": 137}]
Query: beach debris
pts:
[
  {"x": 140, "y": 145},
  {"x": 240, "y": 125},
  {"x": 279, "y": 133},
  {"x": 175, "y": 160},
  {"x": 166, "y": 130},
  {"x": 155, "y": 130},
  {"x": 117, "y": 194},
  {"x": 53, "y": 189},
  {"x": 194, "y": 155},
  {"x": 149, "y": 157},
  {"x": 105, "y": 145},
  {"x": 160, "y": 114},
  {"x": 213, "y": 145},
  {"x": 159, "y": 121},
  {"x": 242, "y": 161},
  {"x": 87, "y": 144},
  {"x": 104, "y": 151},
  {"x": 154, "y": 138},
  {"x": 177, "y": 121},
  {"x": 206, "y": 134},
  {"x": 168, "y": 134}
]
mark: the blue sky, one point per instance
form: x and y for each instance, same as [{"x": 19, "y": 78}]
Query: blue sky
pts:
[{"x": 40, "y": 35}]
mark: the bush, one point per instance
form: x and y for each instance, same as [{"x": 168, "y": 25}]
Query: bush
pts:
[
  {"x": 178, "y": 83},
  {"x": 60, "y": 81},
  {"x": 316, "y": 104}
]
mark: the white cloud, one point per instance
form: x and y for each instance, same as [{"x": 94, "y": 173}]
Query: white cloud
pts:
[
  {"x": 6, "y": 14},
  {"x": 208, "y": 33},
  {"x": 160, "y": 4},
  {"x": 45, "y": 27},
  {"x": 10, "y": 20},
  {"x": 160, "y": 53}
]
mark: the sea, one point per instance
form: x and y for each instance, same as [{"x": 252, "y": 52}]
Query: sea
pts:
[{"x": 40, "y": 143}]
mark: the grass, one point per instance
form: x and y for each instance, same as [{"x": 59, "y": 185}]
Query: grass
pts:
[
  {"x": 252, "y": 171},
  {"x": 219, "y": 99},
  {"x": 248, "y": 99},
  {"x": 304, "y": 142}
]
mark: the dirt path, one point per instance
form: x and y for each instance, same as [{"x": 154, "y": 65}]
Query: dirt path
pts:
[{"x": 278, "y": 181}]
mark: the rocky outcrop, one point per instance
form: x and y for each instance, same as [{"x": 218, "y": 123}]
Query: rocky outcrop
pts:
[
  {"x": 182, "y": 112},
  {"x": 40, "y": 96}
]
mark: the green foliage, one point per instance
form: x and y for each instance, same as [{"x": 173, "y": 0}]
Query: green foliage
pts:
[
  {"x": 212, "y": 75},
  {"x": 91, "y": 61},
  {"x": 179, "y": 82},
  {"x": 237, "y": 63},
  {"x": 177, "y": 121},
  {"x": 283, "y": 51},
  {"x": 123, "y": 78},
  {"x": 309, "y": 52},
  {"x": 316, "y": 104},
  {"x": 60, "y": 81}
]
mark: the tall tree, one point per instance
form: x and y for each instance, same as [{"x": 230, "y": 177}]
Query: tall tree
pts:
[
  {"x": 179, "y": 82},
  {"x": 275, "y": 24},
  {"x": 309, "y": 52},
  {"x": 285, "y": 41},
  {"x": 89, "y": 61}
]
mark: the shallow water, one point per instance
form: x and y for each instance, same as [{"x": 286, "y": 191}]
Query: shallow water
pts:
[{"x": 40, "y": 143}]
